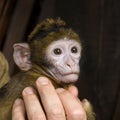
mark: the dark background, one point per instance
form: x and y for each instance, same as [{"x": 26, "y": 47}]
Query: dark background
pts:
[{"x": 97, "y": 22}]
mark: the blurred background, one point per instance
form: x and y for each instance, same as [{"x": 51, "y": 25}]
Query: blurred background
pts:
[{"x": 98, "y": 24}]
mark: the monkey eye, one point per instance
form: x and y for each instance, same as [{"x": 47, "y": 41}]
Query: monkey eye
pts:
[
  {"x": 74, "y": 49},
  {"x": 57, "y": 51}
]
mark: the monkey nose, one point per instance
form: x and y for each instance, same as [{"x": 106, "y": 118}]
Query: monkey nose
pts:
[{"x": 70, "y": 63}]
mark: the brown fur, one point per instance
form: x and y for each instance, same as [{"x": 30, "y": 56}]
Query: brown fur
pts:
[{"x": 4, "y": 70}]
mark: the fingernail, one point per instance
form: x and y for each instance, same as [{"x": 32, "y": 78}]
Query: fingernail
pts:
[
  {"x": 28, "y": 90},
  {"x": 60, "y": 90},
  {"x": 18, "y": 101},
  {"x": 43, "y": 81}
]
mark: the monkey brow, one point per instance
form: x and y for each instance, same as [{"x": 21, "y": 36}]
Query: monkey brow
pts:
[{"x": 40, "y": 34}]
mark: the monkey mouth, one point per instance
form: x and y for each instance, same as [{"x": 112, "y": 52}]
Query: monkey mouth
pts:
[
  {"x": 70, "y": 77},
  {"x": 71, "y": 73}
]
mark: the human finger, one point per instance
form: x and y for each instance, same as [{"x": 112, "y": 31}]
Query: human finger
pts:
[
  {"x": 50, "y": 100},
  {"x": 73, "y": 108},
  {"x": 18, "y": 110},
  {"x": 73, "y": 90},
  {"x": 32, "y": 104}
]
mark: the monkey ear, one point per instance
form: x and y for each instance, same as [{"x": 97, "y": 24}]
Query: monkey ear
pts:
[{"x": 21, "y": 56}]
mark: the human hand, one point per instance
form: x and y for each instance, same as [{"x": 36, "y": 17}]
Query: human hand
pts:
[{"x": 59, "y": 104}]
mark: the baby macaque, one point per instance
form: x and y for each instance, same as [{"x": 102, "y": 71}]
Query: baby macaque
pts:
[{"x": 52, "y": 50}]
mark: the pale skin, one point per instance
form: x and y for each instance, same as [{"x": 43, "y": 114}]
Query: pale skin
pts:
[{"x": 59, "y": 104}]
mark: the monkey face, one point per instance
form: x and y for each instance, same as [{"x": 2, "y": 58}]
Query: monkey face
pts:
[{"x": 63, "y": 56}]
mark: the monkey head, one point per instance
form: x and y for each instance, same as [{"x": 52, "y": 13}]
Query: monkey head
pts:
[{"x": 54, "y": 47}]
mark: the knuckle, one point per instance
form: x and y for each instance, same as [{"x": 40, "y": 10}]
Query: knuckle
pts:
[
  {"x": 78, "y": 114},
  {"x": 56, "y": 113}
]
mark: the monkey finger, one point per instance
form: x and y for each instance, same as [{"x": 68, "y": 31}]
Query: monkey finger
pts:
[
  {"x": 73, "y": 108},
  {"x": 32, "y": 104},
  {"x": 18, "y": 111}
]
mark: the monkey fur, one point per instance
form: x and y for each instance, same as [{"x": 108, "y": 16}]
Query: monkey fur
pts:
[
  {"x": 4, "y": 70},
  {"x": 48, "y": 31}
]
